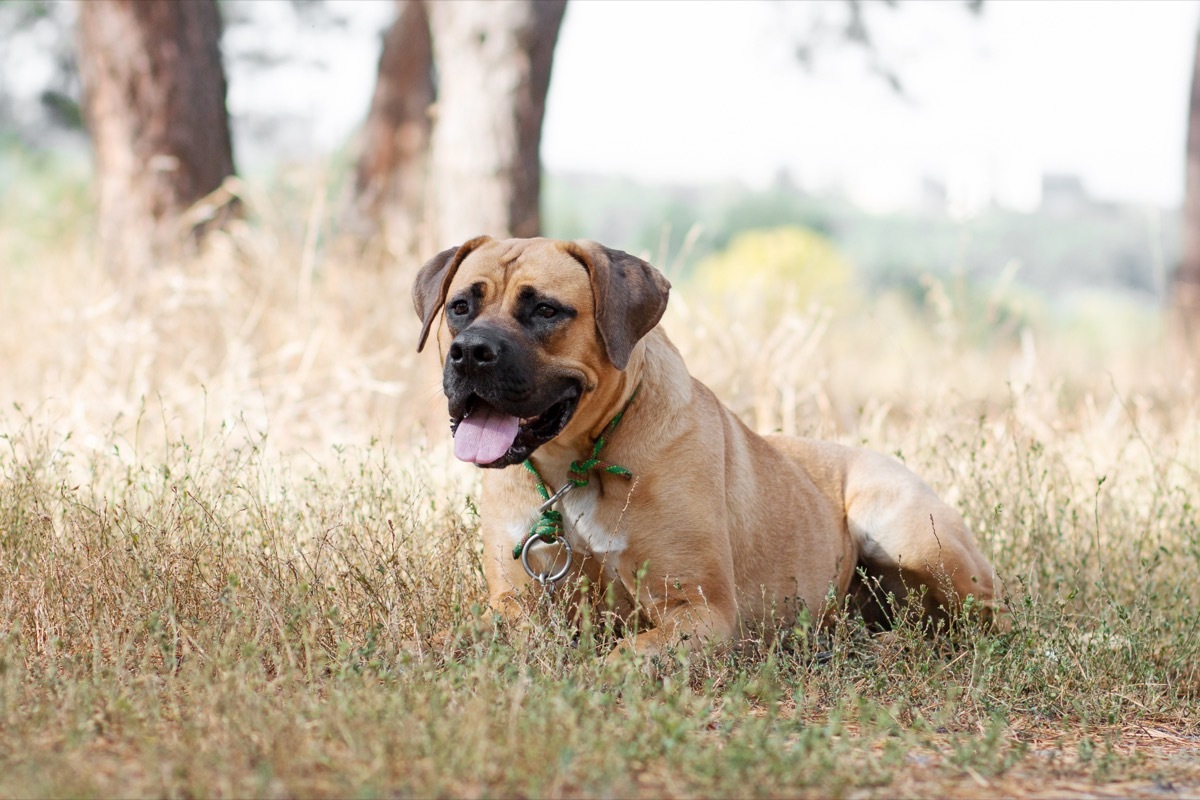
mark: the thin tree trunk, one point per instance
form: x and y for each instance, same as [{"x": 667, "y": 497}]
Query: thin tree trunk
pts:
[
  {"x": 525, "y": 207},
  {"x": 390, "y": 178},
  {"x": 154, "y": 102},
  {"x": 493, "y": 70},
  {"x": 1186, "y": 291}
]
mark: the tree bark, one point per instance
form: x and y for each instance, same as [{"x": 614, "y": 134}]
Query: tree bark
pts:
[
  {"x": 154, "y": 103},
  {"x": 391, "y": 173},
  {"x": 1186, "y": 290},
  {"x": 493, "y": 71}
]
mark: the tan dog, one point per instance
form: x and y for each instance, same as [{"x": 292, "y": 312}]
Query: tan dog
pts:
[{"x": 714, "y": 528}]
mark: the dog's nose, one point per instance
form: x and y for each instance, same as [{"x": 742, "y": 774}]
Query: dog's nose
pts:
[{"x": 472, "y": 352}]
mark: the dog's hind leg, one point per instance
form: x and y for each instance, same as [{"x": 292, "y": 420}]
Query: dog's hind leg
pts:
[{"x": 912, "y": 544}]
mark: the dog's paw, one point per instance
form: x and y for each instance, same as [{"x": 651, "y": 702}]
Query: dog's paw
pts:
[
  {"x": 654, "y": 661},
  {"x": 627, "y": 659}
]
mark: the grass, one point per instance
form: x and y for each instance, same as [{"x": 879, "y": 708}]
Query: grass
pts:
[{"x": 236, "y": 557}]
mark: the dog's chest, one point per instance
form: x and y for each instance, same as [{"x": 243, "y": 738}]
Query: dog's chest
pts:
[{"x": 587, "y": 528}]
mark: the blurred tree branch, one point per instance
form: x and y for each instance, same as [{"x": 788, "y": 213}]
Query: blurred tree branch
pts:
[
  {"x": 857, "y": 29},
  {"x": 44, "y": 28}
]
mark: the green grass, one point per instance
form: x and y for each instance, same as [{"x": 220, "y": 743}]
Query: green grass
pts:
[
  {"x": 216, "y": 624},
  {"x": 237, "y": 558}
]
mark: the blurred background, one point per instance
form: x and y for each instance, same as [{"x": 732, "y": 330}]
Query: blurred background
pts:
[
  {"x": 238, "y": 556},
  {"x": 210, "y": 212}
]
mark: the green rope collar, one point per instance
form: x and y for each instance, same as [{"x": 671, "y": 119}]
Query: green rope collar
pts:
[{"x": 549, "y": 525}]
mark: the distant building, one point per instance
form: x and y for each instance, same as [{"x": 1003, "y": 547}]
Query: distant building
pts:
[
  {"x": 933, "y": 196},
  {"x": 1006, "y": 181},
  {"x": 1063, "y": 193}
]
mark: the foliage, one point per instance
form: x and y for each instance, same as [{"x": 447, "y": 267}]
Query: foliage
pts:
[
  {"x": 41, "y": 197},
  {"x": 781, "y": 265},
  {"x": 1091, "y": 246},
  {"x": 39, "y": 47}
]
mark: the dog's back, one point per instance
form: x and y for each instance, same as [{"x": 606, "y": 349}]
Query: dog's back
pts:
[{"x": 806, "y": 517}]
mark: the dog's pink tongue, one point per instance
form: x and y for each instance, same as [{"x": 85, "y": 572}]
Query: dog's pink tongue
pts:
[{"x": 485, "y": 435}]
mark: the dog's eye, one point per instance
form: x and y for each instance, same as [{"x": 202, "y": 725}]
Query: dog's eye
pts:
[
  {"x": 459, "y": 307},
  {"x": 545, "y": 311}
]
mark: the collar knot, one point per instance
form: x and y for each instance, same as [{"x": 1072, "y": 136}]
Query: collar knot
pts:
[{"x": 548, "y": 527}]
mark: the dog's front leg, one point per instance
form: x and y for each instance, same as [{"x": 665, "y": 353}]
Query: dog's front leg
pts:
[
  {"x": 507, "y": 580},
  {"x": 684, "y": 614}
]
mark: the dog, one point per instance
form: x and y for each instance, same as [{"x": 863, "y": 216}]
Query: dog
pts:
[{"x": 595, "y": 438}]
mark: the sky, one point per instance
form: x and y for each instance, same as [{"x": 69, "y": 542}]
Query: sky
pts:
[
  {"x": 697, "y": 91},
  {"x": 692, "y": 91}
]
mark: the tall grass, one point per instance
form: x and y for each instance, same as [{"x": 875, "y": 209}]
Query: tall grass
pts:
[{"x": 237, "y": 558}]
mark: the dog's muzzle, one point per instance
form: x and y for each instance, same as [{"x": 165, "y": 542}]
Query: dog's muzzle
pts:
[{"x": 503, "y": 405}]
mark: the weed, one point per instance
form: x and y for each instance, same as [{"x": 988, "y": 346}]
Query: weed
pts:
[{"x": 234, "y": 562}]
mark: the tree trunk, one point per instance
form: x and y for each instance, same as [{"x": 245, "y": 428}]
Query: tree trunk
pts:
[
  {"x": 154, "y": 102},
  {"x": 390, "y": 180},
  {"x": 493, "y": 70},
  {"x": 1186, "y": 291}
]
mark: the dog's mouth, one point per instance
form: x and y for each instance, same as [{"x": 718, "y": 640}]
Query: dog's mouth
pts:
[{"x": 490, "y": 437}]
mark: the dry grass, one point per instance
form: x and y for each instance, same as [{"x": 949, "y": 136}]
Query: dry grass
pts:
[{"x": 230, "y": 552}]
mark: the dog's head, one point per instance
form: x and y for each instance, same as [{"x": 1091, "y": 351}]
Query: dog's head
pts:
[{"x": 534, "y": 327}]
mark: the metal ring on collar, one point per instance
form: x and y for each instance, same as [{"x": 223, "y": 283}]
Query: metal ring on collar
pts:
[{"x": 544, "y": 577}]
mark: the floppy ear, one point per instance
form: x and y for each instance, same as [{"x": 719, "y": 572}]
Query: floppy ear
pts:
[
  {"x": 630, "y": 296},
  {"x": 433, "y": 281}
]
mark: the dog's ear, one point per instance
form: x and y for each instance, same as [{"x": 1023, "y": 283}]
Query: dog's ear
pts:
[
  {"x": 630, "y": 296},
  {"x": 433, "y": 281}
]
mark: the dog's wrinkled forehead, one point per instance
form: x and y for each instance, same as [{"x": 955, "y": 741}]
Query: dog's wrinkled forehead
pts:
[
  {"x": 499, "y": 272},
  {"x": 622, "y": 295}
]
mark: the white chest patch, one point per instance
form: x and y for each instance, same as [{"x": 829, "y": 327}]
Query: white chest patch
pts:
[
  {"x": 585, "y": 530},
  {"x": 587, "y": 534}
]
